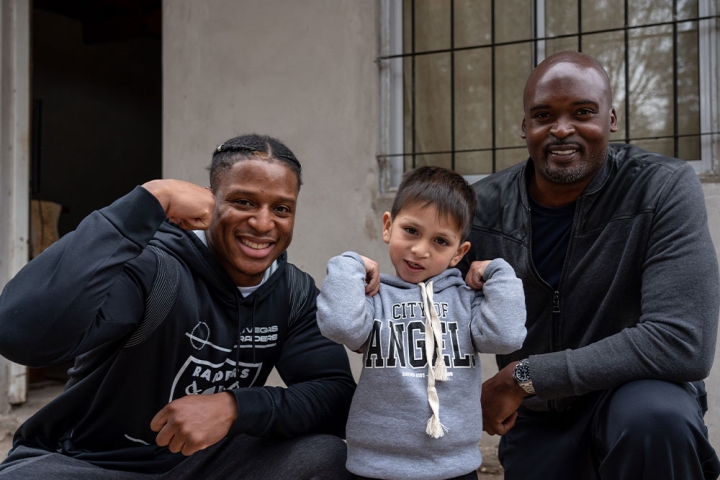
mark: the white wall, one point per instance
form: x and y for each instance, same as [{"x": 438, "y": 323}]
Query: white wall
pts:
[
  {"x": 712, "y": 418},
  {"x": 14, "y": 165},
  {"x": 301, "y": 71}
]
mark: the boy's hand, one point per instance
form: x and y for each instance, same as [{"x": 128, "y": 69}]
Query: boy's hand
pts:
[
  {"x": 475, "y": 276},
  {"x": 372, "y": 277}
]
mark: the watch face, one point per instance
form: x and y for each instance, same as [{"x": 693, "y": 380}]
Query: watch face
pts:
[{"x": 522, "y": 373}]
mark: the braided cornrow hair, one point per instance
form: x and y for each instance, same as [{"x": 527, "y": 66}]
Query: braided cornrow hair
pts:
[{"x": 252, "y": 146}]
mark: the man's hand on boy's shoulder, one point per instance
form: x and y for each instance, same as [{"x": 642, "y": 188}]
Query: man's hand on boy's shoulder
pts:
[
  {"x": 372, "y": 278},
  {"x": 475, "y": 277}
]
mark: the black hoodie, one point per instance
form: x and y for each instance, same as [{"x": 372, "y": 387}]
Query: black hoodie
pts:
[{"x": 85, "y": 296}]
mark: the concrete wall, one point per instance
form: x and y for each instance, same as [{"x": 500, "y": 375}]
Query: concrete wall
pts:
[
  {"x": 712, "y": 418},
  {"x": 14, "y": 162},
  {"x": 301, "y": 71},
  {"x": 304, "y": 72}
]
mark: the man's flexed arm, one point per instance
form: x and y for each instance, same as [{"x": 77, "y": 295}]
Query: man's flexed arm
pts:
[{"x": 60, "y": 304}]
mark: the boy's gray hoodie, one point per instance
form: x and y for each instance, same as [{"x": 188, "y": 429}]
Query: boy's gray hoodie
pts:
[{"x": 386, "y": 431}]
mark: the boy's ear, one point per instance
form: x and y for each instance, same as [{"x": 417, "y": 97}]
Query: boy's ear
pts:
[
  {"x": 387, "y": 223},
  {"x": 461, "y": 251}
]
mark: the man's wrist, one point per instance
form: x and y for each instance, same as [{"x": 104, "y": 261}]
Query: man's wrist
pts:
[
  {"x": 522, "y": 376},
  {"x": 157, "y": 189}
]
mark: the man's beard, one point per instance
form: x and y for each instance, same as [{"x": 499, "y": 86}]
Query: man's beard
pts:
[
  {"x": 564, "y": 176},
  {"x": 574, "y": 174}
]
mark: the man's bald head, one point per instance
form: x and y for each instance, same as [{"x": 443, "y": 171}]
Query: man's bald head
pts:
[{"x": 578, "y": 59}]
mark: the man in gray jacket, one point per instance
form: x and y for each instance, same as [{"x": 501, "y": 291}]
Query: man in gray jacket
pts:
[{"x": 621, "y": 286}]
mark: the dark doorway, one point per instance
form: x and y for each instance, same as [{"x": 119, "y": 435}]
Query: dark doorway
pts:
[{"x": 97, "y": 108}]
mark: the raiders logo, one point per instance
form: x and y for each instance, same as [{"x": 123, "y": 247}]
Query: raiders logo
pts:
[{"x": 198, "y": 376}]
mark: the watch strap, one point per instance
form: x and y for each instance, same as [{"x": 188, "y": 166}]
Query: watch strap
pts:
[{"x": 522, "y": 376}]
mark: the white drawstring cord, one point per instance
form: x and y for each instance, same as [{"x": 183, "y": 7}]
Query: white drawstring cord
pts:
[{"x": 433, "y": 348}]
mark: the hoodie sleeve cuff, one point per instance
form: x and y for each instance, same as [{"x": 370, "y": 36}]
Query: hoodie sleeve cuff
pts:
[{"x": 255, "y": 412}]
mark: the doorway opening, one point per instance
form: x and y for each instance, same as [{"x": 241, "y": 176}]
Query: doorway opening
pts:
[{"x": 96, "y": 83}]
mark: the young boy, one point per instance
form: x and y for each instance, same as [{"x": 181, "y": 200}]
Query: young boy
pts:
[{"x": 420, "y": 335}]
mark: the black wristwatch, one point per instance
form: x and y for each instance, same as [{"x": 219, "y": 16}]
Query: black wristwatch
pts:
[{"x": 522, "y": 376}]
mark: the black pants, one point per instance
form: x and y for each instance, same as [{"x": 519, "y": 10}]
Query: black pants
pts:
[
  {"x": 242, "y": 457},
  {"x": 647, "y": 429}
]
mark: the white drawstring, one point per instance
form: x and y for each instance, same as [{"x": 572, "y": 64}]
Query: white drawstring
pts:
[{"x": 433, "y": 348}]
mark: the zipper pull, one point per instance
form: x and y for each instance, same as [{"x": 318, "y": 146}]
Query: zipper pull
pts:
[{"x": 556, "y": 302}]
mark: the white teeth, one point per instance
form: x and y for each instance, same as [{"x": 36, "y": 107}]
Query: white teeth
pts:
[
  {"x": 256, "y": 246},
  {"x": 564, "y": 152}
]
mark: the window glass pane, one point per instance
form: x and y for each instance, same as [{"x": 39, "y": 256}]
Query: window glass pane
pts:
[
  {"x": 688, "y": 81},
  {"x": 688, "y": 91},
  {"x": 432, "y": 103},
  {"x": 443, "y": 160},
  {"x": 687, "y": 9},
  {"x": 472, "y": 23},
  {"x": 646, "y": 12},
  {"x": 561, "y": 17},
  {"x": 561, "y": 45},
  {"x": 663, "y": 146},
  {"x": 473, "y": 163},
  {"x": 650, "y": 84},
  {"x": 432, "y": 25},
  {"x": 513, "y": 21},
  {"x": 409, "y": 163},
  {"x": 407, "y": 26},
  {"x": 473, "y": 99},
  {"x": 602, "y": 14},
  {"x": 689, "y": 148},
  {"x": 408, "y": 101},
  {"x": 508, "y": 158},
  {"x": 513, "y": 64},
  {"x": 609, "y": 50}
]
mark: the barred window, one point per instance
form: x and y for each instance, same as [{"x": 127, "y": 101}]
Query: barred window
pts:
[{"x": 453, "y": 72}]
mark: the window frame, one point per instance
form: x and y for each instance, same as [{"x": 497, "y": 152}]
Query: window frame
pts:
[{"x": 390, "y": 62}]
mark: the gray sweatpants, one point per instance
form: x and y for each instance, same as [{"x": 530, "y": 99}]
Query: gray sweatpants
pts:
[{"x": 243, "y": 457}]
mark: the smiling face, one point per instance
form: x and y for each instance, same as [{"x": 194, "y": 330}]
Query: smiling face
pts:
[
  {"x": 422, "y": 244},
  {"x": 568, "y": 120},
  {"x": 254, "y": 215}
]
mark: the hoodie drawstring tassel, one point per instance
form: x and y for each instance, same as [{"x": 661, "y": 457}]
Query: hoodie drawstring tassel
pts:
[{"x": 433, "y": 350}]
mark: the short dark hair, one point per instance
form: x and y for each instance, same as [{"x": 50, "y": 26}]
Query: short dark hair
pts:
[
  {"x": 448, "y": 191},
  {"x": 250, "y": 146}
]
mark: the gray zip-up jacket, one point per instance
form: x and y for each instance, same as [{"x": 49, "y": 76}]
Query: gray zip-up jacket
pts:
[
  {"x": 386, "y": 431},
  {"x": 638, "y": 295}
]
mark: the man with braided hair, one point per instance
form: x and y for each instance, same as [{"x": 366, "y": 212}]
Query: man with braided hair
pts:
[{"x": 176, "y": 302}]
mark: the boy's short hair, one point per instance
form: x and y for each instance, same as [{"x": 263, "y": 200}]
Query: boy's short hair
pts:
[{"x": 448, "y": 191}]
